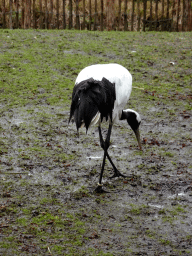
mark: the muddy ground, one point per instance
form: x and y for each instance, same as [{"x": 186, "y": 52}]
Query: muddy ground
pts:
[{"x": 48, "y": 176}]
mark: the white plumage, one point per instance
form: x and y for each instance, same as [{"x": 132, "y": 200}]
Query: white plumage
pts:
[
  {"x": 116, "y": 74},
  {"x": 102, "y": 91}
]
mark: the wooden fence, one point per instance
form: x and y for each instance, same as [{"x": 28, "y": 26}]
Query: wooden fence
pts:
[{"x": 132, "y": 15}]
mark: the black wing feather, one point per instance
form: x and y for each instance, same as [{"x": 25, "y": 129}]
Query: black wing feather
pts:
[{"x": 89, "y": 97}]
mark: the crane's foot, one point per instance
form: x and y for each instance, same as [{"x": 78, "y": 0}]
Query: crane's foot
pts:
[
  {"x": 100, "y": 190},
  {"x": 117, "y": 174}
]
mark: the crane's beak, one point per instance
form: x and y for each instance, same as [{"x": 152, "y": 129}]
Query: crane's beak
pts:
[{"x": 137, "y": 134}]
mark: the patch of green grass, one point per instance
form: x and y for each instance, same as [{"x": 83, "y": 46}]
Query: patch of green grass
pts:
[
  {"x": 169, "y": 219},
  {"x": 57, "y": 249},
  {"x": 27, "y": 73},
  {"x": 7, "y": 245},
  {"x": 22, "y": 221},
  {"x": 150, "y": 233},
  {"x": 171, "y": 215},
  {"x": 177, "y": 209},
  {"x": 162, "y": 211},
  {"x": 64, "y": 157},
  {"x": 137, "y": 210},
  {"x": 164, "y": 241},
  {"x": 82, "y": 192},
  {"x": 45, "y": 200}
]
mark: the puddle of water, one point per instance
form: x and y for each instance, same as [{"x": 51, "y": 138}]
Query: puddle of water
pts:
[
  {"x": 74, "y": 52},
  {"x": 17, "y": 121},
  {"x": 156, "y": 206},
  {"x": 94, "y": 157},
  {"x": 175, "y": 195},
  {"x": 44, "y": 177},
  {"x": 68, "y": 52},
  {"x": 181, "y": 194},
  {"x": 153, "y": 109}
]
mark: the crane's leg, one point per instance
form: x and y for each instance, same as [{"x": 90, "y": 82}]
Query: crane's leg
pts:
[
  {"x": 105, "y": 146},
  {"x": 102, "y": 143}
]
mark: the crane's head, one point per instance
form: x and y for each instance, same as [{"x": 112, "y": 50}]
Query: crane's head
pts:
[{"x": 134, "y": 120}]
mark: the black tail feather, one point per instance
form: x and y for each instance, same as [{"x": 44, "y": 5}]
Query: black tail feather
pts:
[{"x": 89, "y": 97}]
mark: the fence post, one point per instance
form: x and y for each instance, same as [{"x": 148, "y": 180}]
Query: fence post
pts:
[
  {"x": 70, "y": 14},
  {"x": 167, "y": 9},
  {"x": 41, "y": 16},
  {"x": 119, "y": 21},
  {"x": 163, "y": 7},
  {"x": 101, "y": 15},
  {"x": 64, "y": 19},
  {"x": 10, "y": 14},
  {"x": 83, "y": 24},
  {"x": 17, "y": 14},
  {"x": 57, "y": 13},
  {"x": 29, "y": 14},
  {"x": 34, "y": 15},
  {"x": 77, "y": 15},
  {"x": 156, "y": 15},
  {"x": 162, "y": 15},
  {"x": 89, "y": 15},
  {"x": 173, "y": 12},
  {"x": 178, "y": 14},
  {"x": 144, "y": 14},
  {"x": 4, "y": 19},
  {"x": 110, "y": 14},
  {"x": 189, "y": 16},
  {"x": 26, "y": 17},
  {"x": 139, "y": 15},
  {"x": 46, "y": 15},
  {"x": 95, "y": 16},
  {"x": 132, "y": 14},
  {"x": 183, "y": 16},
  {"x": 151, "y": 16},
  {"x": 22, "y": 14},
  {"x": 125, "y": 17},
  {"x": 51, "y": 14}
]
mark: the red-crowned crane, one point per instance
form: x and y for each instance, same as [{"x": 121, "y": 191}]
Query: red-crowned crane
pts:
[{"x": 101, "y": 91}]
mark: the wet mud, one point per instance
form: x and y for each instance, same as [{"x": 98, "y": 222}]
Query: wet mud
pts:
[{"x": 147, "y": 213}]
